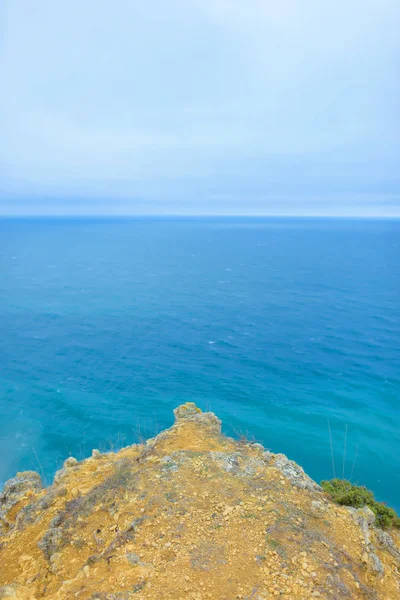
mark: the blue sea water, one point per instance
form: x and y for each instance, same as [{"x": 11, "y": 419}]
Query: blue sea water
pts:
[{"x": 277, "y": 325}]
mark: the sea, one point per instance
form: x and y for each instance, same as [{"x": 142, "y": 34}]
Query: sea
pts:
[{"x": 287, "y": 328}]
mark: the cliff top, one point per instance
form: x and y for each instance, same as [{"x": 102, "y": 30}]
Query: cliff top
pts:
[{"x": 191, "y": 514}]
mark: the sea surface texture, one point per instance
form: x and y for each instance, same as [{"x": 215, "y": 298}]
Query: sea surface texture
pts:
[{"x": 283, "y": 327}]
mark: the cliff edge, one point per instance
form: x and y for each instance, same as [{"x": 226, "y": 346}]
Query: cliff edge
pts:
[{"x": 192, "y": 515}]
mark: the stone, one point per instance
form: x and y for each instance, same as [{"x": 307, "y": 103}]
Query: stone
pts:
[
  {"x": 376, "y": 564},
  {"x": 295, "y": 474},
  {"x": 267, "y": 456},
  {"x": 207, "y": 514},
  {"x": 189, "y": 411},
  {"x": 365, "y": 557},
  {"x": 70, "y": 462},
  {"x": 367, "y": 514},
  {"x": 54, "y": 557},
  {"x": 385, "y": 539},
  {"x": 96, "y": 453},
  {"x": 14, "y": 490},
  {"x": 133, "y": 558},
  {"x": 50, "y": 542},
  {"x": 318, "y": 507}
]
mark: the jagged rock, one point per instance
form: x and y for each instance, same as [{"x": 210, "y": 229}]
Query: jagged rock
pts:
[
  {"x": 69, "y": 463},
  {"x": 188, "y": 515},
  {"x": 376, "y": 564},
  {"x": 364, "y": 517},
  {"x": 59, "y": 475},
  {"x": 295, "y": 473},
  {"x": 191, "y": 412},
  {"x": 257, "y": 445},
  {"x": 318, "y": 507},
  {"x": 3, "y": 524},
  {"x": 367, "y": 514},
  {"x": 371, "y": 559},
  {"x": 187, "y": 411},
  {"x": 268, "y": 457},
  {"x": 50, "y": 542},
  {"x": 237, "y": 463},
  {"x": 386, "y": 541},
  {"x": 14, "y": 490}
]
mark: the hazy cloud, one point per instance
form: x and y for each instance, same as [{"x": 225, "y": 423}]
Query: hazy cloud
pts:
[{"x": 199, "y": 106}]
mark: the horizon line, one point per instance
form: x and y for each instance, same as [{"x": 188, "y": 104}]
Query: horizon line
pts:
[{"x": 192, "y": 216}]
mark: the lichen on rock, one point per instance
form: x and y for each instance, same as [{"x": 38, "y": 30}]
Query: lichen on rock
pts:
[
  {"x": 190, "y": 514},
  {"x": 295, "y": 473},
  {"x": 190, "y": 412},
  {"x": 16, "y": 490}
]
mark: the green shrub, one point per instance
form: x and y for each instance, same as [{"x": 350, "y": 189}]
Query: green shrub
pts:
[{"x": 346, "y": 493}]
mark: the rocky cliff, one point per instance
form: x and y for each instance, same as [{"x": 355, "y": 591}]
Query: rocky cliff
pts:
[{"x": 191, "y": 514}]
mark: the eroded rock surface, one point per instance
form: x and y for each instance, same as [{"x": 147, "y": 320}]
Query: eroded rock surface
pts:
[
  {"x": 189, "y": 515},
  {"x": 16, "y": 490}
]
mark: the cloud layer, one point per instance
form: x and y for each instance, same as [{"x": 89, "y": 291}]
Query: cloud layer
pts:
[{"x": 199, "y": 106}]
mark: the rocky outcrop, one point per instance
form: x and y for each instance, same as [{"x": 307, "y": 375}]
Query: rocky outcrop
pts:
[
  {"x": 15, "y": 490},
  {"x": 194, "y": 515},
  {"x": 190, "y": 412},
  {"x": 295, "y": 474}
]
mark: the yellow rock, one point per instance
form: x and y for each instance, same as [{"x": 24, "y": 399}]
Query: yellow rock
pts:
[{"x": 214, "y": 498}]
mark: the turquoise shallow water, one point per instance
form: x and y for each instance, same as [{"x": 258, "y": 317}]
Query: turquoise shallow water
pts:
[{"x": 277, "y": 325}]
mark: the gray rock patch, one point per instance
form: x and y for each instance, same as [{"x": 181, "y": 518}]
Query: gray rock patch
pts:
[{"x": 295, "y": 474}]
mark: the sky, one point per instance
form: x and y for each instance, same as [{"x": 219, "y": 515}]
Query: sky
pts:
[{"x": 200, "y": 107}]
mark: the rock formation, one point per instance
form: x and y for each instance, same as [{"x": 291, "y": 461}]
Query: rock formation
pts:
[{"x": 190, "y": 515}]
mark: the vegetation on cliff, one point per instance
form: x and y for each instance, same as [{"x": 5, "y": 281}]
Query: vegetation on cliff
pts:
[
  {"x": 346, "y": 493},
  {"x": 193, "y": 515}
]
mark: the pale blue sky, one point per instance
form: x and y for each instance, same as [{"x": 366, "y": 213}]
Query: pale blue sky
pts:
[{"x": 199, "y": 107}]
